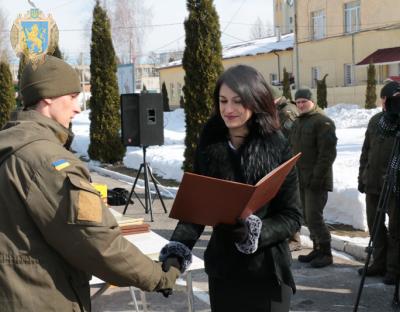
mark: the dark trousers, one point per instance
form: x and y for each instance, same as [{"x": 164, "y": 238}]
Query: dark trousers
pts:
[
  {"x": 314, "y": 202},
  {"x": 239, "y": 296},
  {"x": 386, "y": 242}
]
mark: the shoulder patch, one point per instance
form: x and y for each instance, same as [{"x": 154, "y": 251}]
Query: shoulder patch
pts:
[
  {"x": 60, "y": 164},
  {"x": 89, "y": 207}
]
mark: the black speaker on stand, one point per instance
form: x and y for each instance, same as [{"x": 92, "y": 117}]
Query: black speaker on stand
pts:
[{"x": 142, "y": 124}]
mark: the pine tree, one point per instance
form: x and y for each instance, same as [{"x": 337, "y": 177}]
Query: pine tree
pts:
[
  {"x": 7, "y": 93},
  {"x": 105, "y": 123},
  {"x": 144, "y": 89},
  {"x": 286, "y": 85},
  {"x": 165, "y": 97},
  {"x": 181, "y": 102},
  {"x": 370, "y": 93},
  {"x": 322, "y": 92},
  {"x": 202, "y": 65}
]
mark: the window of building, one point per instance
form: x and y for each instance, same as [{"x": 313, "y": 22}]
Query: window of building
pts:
[
  {"x": 348, "y": 74},
  {"x": 179, "y": 89},
  {"x": 318, "y": 24},
  {"x": 315, "y": 74},
  {"x": 352, "y": 17}
]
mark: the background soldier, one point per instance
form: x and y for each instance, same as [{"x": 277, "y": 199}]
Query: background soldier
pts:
[
  {"x": 375, "y": 156},
  {"x": 287, "y": 113},
  {"x": 55, "y": 230},
  {"x": 313, "y": 135},
  {"x": 286, "y": 110}
]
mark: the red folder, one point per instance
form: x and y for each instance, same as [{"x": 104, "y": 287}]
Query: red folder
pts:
[{"x": 209, "y": 201}]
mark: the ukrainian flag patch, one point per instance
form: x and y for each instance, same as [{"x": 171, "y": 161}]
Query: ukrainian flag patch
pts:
[{"x": 60, "y": 164}]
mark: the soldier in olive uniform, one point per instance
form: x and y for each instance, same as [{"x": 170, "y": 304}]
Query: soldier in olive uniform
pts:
[
  {"x": 55, "y": 230},
  {"x": 287, "y": 113},
  {"x": 374, "y": 160},
  {"x": 313, "y": 135}
]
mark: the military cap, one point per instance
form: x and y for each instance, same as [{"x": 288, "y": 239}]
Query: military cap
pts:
[{"x": 49, "y": 79}]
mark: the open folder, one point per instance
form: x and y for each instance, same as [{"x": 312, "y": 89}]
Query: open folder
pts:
[{"x": 209, "y": 201}]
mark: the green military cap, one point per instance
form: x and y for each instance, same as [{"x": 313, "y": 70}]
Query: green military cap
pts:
[
  {"x": 49, "y": 79},
  {"x": 303, "y": 93}
]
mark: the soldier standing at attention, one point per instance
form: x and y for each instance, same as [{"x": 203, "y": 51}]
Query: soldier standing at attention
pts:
[
  {"x": 55, "y": 230},
  {"x": 313, "y": 135}
]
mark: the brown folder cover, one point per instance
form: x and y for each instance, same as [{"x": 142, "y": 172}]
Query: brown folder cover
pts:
[{"x": 209, "y": 201}]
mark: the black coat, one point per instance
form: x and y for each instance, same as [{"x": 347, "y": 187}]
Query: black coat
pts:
[{"x": 281, "y": 218}]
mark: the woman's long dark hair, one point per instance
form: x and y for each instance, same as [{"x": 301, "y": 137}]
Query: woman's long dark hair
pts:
[{"x": 255, "y": 94}]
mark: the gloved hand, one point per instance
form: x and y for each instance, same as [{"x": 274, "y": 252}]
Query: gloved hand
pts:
[
  {"x": 239, "y": 231},
  {"x": 167, "y": 281},
  {"x": 171, "y": 261},
  {"x": 361, "y": 187}
]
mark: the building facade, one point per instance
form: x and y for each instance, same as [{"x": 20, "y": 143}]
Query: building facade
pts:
[{"x": 340, "y": 38}]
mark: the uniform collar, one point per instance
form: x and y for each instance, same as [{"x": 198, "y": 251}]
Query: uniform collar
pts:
[{"x": 62, "y": 134}]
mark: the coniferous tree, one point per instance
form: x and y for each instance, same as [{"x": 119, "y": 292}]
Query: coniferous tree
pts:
[
  {"x": 144, "y": 89},
  {"x": 286, "y": 85},
  {"x": 23, "y": 60},
  {"x": 182, "y": 102},
  {"x": 105, "y": 123},
  {"x": 7, "y": 93},
  {"x": 370, "y": 93},
  {"x": 165, "y": 97},
  {"x": 202, "y": 65},
  {"x": 322, "y": 92}
]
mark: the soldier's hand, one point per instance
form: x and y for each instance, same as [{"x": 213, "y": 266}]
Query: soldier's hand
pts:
[
  {"x": 167, "y": 281},
  {"x": 171, "y": 261}
]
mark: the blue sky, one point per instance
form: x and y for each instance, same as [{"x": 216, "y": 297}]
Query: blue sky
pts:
[{"x": 73, "y": 16}]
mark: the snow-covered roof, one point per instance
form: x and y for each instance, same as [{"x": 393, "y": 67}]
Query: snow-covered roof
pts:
[{"x": 253, "y": 47}]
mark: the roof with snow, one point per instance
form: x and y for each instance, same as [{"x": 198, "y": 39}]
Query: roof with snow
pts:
[{"x": 253, "y": 47}]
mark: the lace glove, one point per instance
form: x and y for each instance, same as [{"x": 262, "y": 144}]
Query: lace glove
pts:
[{"x": 253, "y": 226}]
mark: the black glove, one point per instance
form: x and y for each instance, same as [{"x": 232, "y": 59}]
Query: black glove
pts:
[
  {"x": 171, "y": 261},
  {"x": 165, "y": 292},
  {"x": 238, "y": 231},
  {"x": 167, "y": 280}
]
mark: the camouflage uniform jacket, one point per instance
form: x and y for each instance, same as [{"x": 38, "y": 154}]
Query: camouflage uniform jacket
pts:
[
  {"x": 55, "y": 232},
  {"x": 287, "y": 113}
]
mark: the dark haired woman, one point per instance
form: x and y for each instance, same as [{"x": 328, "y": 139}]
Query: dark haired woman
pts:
[{"x": 248, "y": 264}]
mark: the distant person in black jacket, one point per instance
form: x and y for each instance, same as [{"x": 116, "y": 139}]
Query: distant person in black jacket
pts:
[{"x": 248, "y": 264}]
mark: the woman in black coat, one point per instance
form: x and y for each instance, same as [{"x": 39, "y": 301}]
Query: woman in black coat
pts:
[{"x": 248, "y": 264}]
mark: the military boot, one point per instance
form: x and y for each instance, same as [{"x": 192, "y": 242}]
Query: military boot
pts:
[
  {"x": 324, "y": 256},
  {"x": 309, "y": 257}
]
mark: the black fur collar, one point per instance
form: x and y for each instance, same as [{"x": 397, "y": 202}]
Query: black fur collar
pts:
[{"x": 256, "y": 157}]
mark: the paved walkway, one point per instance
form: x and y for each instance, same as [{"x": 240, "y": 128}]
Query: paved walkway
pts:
[{"x": 333, "y": 288}]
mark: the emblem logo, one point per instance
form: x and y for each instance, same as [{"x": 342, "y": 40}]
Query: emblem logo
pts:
[{"x": 34, "y": 35}]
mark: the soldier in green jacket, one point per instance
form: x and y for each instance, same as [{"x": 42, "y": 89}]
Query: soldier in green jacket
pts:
[
  {"x": 374, "y": 160},
  {"x": 313, "y": 135},
  {"x": 55, "y": 231},
  {"x": 287, "y": 113}
]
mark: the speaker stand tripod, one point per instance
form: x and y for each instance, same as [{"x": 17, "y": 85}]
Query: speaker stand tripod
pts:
[{"x": 148, "y": 202}]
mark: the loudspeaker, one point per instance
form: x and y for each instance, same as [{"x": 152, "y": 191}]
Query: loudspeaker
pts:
[{"x": 142, "y": 120}]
